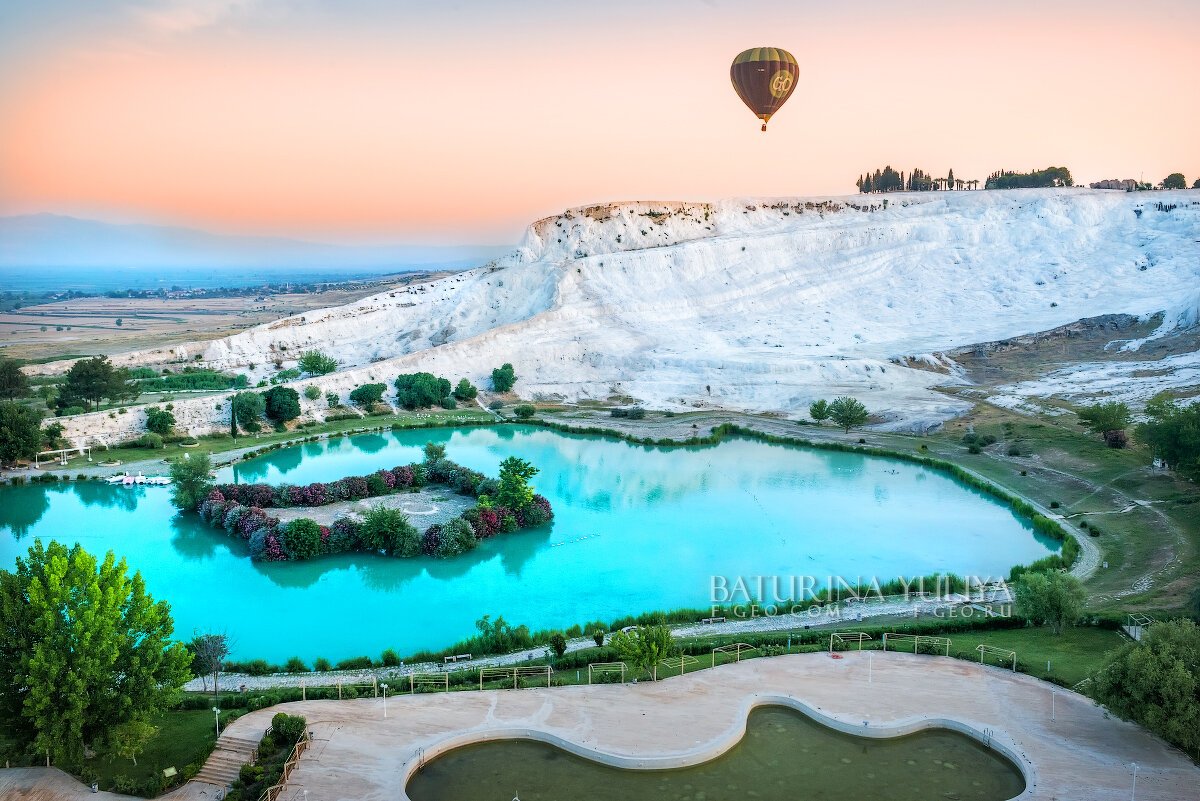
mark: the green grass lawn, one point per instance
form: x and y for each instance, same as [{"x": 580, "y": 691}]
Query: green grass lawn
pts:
[
  {"x": 1074, "y": 655},
  {"x": 184, "y": 737}
]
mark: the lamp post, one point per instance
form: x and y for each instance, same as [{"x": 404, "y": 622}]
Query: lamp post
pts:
[
  {"x": 385, "y": 689},
  {"x": 217, "y": 719}
]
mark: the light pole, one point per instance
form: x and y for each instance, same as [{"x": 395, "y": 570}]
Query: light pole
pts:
[
  {"x": 385, "y": 689},
  {"x": 217, "y": 719}
]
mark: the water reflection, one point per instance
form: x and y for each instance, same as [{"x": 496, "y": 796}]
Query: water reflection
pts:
[
  {"x": 23, "y": 508},
  {"x": 635, "y": 528},
  {"x": 193, "y": 540}
]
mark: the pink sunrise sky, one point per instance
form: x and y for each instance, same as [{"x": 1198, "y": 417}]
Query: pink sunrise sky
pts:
[{"x": 447, "y": 122}]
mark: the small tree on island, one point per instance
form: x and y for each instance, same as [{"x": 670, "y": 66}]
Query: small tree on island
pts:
[
  {"x": 644, "y": 647},
  {"x": 1055, "y": 599},
  {"x": 818, "y": 410},
  {"x": 85, "y": 654},
  {"x": 848, "y": 413},
  {"x": 514, "y": 491},
  {"x": 1109, "y": 420},
  {"x": 314, "y": 362},
  {"x": 190, "y": 480}
]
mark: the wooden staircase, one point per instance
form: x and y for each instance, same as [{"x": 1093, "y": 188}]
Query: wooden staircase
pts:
[{"x": 226, "y": 761}]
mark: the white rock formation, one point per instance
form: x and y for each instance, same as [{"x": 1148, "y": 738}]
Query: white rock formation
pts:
[{"x": 758, "y": 305}]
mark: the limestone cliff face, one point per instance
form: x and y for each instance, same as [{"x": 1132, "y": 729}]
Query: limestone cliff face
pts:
[{"x": 746, "y": 304}]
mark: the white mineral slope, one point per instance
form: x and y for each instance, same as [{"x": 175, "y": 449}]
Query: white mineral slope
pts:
[{"x": 756, "y": 305}]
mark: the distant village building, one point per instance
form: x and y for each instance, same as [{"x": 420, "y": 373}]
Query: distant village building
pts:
[{"x": 1127, "y": 184}]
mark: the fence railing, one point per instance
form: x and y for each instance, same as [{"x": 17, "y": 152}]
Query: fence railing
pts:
[{"x": 273, "y": 792}]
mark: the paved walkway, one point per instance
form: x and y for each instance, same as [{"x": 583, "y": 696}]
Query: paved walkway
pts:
[{"x": 1082, "y": 754}]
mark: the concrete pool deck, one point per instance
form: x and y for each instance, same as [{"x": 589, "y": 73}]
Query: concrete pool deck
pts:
[{"x": 1082, "y": 754}]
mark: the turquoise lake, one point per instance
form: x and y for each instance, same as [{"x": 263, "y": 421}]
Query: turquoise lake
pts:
[{"x": 636, "y": 529}]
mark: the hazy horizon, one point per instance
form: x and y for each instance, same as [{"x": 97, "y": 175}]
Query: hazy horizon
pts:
[{"x": 372, "y": 122}]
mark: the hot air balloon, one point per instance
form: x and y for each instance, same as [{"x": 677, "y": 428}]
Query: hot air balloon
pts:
[{"x": 764, "y": 78}]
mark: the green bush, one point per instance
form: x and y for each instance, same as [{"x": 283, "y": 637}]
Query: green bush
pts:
[
  {"x": 295, "y": 665},
  {"x": 524, "y": 411},
  {"x": 287, "y": 729},
  {"x": 356, "y": 663},
  {"x": 321, "y": 665},
  {"x": 368, "y": 394},
  {"x": 389, "y": 658},
  {"x": 149, "y": 440}
]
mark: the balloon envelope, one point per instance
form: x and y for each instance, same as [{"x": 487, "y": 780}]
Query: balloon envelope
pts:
[{"x": 764, "y": 78}]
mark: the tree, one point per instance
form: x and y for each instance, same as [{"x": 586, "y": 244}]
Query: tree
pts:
[
  {"x": 208, "y": 655},
  {"x": 503, "y": 378},
  {"x": 1051, "y": 176},
  {"x": 420, "y": 390},
  {"x": 368, "y": 394},
  {"x": 84, "y": 650},
  {"x": 13, "y": 382},
  {"x": 314, "y": 362},
  {"x": 558, "y": 643},
  {"x": 644, "y": 647},
  {"x": 1174, "y": 181},
  {"x": 950, "y": 179},
  {"x": 514, "y": 491},
  {"x": 248, "y": 409},
  {"x": 129, "y": 739},
  {"x": 20, "y": 431},
  {"x": 95, "y": 379},
  {"x": 160, "y": 421},
  {"x": 818, "y": 410},
  {"x": 434, "y": 452},
  {"x": 389, "y": 531},
  {"x": 190, "y": 480},
  {"x": 1173, "y": 433},
  {"x": 281, "y": 404},
  {"x": 848, "y": 413},
  {"x": 1196, "y": 184},
  {"x": 524, "y": 411},
  {"x": 301, "y": 538},
  {"x": 1156, "y": 682},
  {"x": 1055, "y": 599},
  {"x": 312, "y": 392},
  {"x": 465, "y": 391},
  {"x": 1109, "y": 420}
]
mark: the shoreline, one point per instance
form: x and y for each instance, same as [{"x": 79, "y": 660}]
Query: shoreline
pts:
[{"x": 728, "y": 425}]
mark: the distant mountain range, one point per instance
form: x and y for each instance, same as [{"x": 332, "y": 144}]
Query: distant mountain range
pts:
[{"x": 49, "y": 241}]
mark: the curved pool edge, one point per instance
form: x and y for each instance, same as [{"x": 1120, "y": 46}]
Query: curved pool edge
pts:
[{"x": 727, "y": 740}]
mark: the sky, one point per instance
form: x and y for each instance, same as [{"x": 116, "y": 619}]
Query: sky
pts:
[{"x": 462, "y": 121}]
